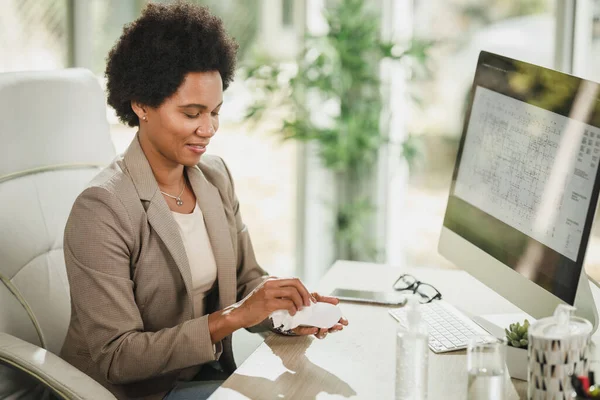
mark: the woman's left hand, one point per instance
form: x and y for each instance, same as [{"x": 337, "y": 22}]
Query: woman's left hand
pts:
[{"x": 321, "y": 333}]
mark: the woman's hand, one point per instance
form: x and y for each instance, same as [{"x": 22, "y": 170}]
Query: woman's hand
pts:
[
  {"x": 321, "y": 333},
  {"x": 272, "y": 295}
]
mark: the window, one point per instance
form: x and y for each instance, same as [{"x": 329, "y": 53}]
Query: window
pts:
[
  {"x": 586, "y": 58},
  {"x": 263, "y": 167},
  {"x": 521, "y": 29},
  {"x": 33, "y": 35}
]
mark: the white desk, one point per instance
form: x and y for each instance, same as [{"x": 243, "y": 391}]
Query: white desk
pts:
[{"x": 359, "y": 362}]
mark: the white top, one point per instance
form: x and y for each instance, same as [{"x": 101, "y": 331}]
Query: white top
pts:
[{"x": 200, "y": 255}]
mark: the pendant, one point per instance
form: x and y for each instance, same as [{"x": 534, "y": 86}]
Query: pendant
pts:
[{"x": 179, "y": 201}]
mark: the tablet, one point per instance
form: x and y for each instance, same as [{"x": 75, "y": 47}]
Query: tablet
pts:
[{"x": 366, "y": 296}]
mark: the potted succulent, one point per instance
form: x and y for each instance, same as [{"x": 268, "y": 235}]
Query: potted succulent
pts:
[{"x": 516, "y": 351}]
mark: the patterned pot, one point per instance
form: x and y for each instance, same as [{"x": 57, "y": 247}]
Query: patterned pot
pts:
[{"x": 558, "y": 348}]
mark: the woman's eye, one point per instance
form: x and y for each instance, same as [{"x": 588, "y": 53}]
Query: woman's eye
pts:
[
  {"x": 192, "y": 115},
  {"x": 215, "y": 114}
]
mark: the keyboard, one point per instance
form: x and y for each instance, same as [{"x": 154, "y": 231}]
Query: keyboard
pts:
[{"x": 449, "y": 328}]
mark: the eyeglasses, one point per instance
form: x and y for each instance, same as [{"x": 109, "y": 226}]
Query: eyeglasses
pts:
[{"x": 426, "y": 292}]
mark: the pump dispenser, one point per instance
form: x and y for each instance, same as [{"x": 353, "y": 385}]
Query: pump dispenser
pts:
[{"x": 412, "y": 352}]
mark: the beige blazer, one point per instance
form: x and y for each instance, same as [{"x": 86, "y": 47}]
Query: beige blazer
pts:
[{"x": 132, "y": 322}]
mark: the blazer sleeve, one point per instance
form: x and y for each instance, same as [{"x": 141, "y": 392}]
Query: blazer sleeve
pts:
[
  {"x": 249, "y": 273},
  {"x": 98, "y": 245}
]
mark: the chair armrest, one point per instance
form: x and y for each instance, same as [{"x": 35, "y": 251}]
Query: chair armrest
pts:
[{"x": 60, "y": 376}]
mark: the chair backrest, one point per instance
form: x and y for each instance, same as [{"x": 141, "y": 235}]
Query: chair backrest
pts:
[{"x": 54, "y": 137}]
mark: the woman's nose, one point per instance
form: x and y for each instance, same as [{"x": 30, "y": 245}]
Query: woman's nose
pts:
[{"x": 205, "y": 128}]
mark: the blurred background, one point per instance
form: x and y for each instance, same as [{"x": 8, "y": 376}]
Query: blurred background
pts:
[{"x": 342, "y": 126}]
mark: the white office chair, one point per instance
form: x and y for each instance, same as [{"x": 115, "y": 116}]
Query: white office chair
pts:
[{"x": 54, "y": 137}]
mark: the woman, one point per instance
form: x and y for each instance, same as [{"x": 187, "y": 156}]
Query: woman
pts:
[{"x": 160, "y": 264}]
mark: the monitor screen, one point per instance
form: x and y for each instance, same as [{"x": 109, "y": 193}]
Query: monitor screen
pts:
[{"x": 525, "y": 183}]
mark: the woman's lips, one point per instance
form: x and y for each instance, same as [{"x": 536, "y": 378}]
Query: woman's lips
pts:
[{"x": 196, "y": 148}]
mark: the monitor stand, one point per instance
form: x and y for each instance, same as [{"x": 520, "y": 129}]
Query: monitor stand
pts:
[
  {"x": 588, "y": 293},
  {"x": 495, "y": 323}
]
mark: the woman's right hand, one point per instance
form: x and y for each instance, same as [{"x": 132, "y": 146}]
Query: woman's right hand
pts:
[{"x": 272, "y": 295}]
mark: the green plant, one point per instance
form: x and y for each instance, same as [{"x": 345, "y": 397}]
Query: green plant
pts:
[
  {"x": 332, "y": 97},
  {"x": 516, "y": 334}
]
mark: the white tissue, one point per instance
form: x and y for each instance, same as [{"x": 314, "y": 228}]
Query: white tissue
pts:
[{"x": 320, "y": 315}]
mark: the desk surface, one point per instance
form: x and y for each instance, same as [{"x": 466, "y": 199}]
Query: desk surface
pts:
[{"x": 359, "y": 362}]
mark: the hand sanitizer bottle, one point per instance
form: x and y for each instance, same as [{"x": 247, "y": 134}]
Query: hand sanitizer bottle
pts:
[{"x": 412, "y": 351}]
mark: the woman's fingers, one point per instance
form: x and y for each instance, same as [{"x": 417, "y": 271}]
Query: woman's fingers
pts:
[
  {"x": 321, "y": 333},
  {"x": 295, "y": 283},
  {"x": 287, "y": 293},
  {"x": 284, "y": 304},
  {"x": 336, "y": 328},
  {"x": 305, "y": 330},
  {"x": 343, "y": 321},
  {"x": 326, "y": 299}
]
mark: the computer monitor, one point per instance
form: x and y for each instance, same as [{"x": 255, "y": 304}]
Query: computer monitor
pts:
[{"x": 525, "y": 185}]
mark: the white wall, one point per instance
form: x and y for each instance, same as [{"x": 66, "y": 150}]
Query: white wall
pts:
[
  {"x": 317, "y": 191},
  {"x": 280, "y": 42},
  {"x": 393, "y": 175}
]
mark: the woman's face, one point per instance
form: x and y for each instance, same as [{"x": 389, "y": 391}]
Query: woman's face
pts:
[{"x": 179, "y": 130}]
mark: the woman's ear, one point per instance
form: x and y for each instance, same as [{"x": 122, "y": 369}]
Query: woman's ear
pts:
[{"x": 139, "y": 109}]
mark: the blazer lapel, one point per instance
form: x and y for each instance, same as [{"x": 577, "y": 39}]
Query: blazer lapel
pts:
[
  {"x": 210, "y": 203},
  {"x": 159, "y": 214}
]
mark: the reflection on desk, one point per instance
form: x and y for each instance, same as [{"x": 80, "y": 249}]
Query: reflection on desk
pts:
[
  {"x": 359, "y": 362},
  {"x": 295, "y": 376}
]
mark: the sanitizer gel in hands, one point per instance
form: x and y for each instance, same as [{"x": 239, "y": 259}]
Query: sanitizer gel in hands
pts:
[{"x": 412, "y": 351}]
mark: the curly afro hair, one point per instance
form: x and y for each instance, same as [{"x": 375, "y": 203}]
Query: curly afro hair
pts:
[{"x": 155, "y": 53}]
